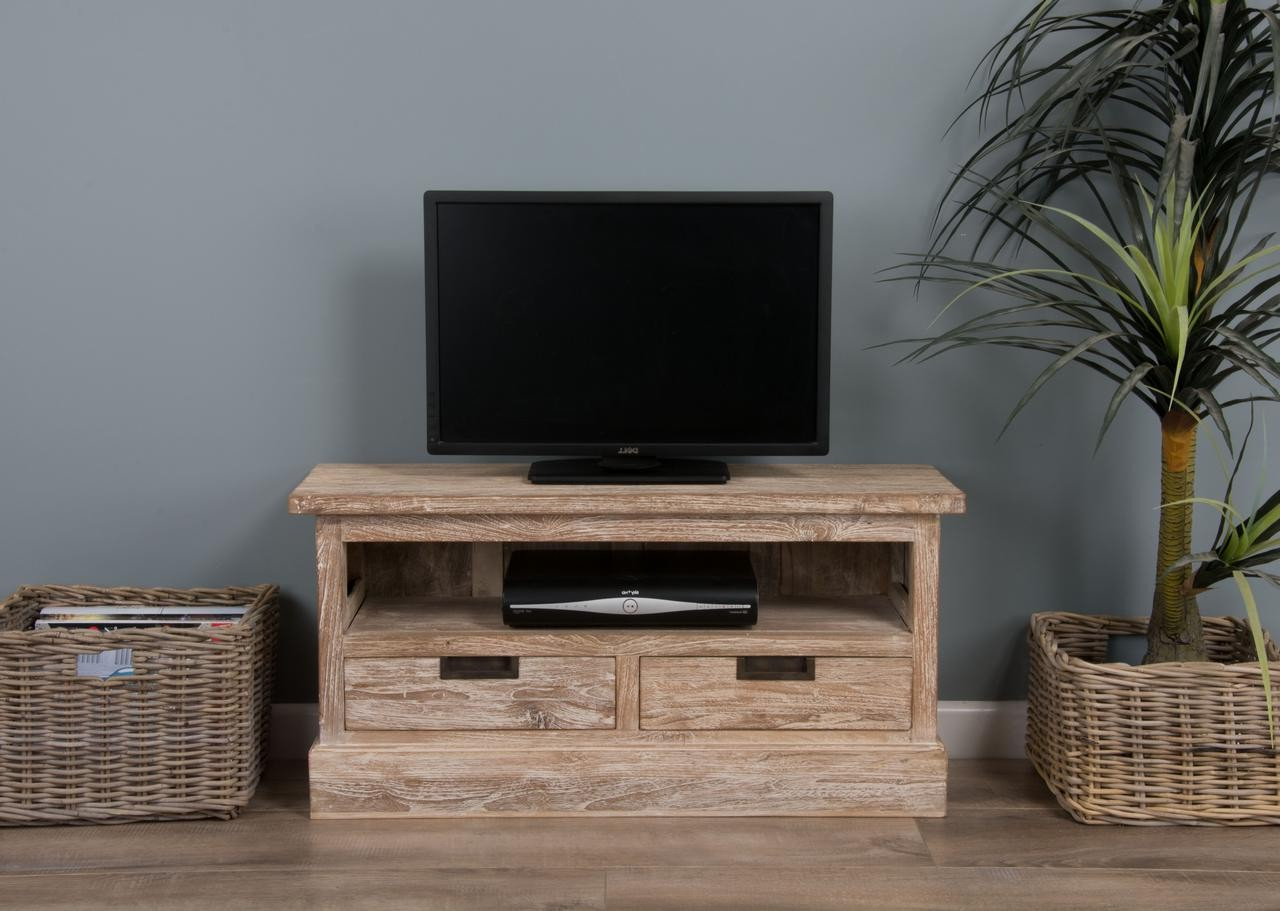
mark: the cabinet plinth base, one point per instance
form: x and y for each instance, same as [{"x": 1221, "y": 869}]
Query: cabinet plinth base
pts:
[{"x": 407, "y": 781}]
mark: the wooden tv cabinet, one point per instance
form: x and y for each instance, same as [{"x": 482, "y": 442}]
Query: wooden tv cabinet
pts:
[{"x": 654, "y": 722}]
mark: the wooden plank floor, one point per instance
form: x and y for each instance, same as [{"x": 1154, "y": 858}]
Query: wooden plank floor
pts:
[{"x": 1003, "y": 845}]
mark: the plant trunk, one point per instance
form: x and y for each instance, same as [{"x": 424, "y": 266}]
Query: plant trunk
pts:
[{"x": 1175, "y": 632}]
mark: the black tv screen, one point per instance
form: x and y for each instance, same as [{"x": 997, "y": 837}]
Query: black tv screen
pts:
[{"x": 650, "y": 323}]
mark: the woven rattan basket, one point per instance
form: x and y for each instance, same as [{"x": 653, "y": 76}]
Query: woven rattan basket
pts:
[
  {"x": 1179, "y": 743},
  {"x": 183, "y": 737}
]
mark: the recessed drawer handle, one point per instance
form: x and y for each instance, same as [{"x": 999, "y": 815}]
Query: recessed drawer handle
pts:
[
  {"x": 775, "y": 667},
  {"x": 480, "y": 668}
]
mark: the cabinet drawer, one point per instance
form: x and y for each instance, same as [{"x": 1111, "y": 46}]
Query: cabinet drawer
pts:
[
  {"x": 412, "y": 694},
  {"x": 708, "y": 694}
]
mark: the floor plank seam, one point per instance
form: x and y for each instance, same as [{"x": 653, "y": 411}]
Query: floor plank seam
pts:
[
  {"x": 1085, "y": 871},
  {"x": 933, "y": 861},
  {"x": 192, "y": 870}
]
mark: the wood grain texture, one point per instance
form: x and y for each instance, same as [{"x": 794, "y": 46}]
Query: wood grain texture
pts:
[
  {"x": 489, "y": 488},
  {"x": 994, "y": 785},
  {"x": 355, "y": 563},
  {"x": 1019, "y": 838},
  {"x": 404, "y": 782},
  {"x": 332, "y": 608},
  {"x": 312, "y": 890},
  {"x": 357, "y": 591},
  {"x": 705, "y": 693},
  {"x": 628, "y": 692},
  {"x": 673, "y": 527},
  {"x": 765, "y": 560},
  {"x": 488, "y": 564},
  {"x": 420, "y": 627},
  {"x": 408, "y": 694},
  {"x": 968, "y": 889},
  {"x": 901, "y": 602},
  {"x": 395, "y": 569},
  {"x": 617, "y": 739},
  {"x": 898, "y": 565},
  {"x": 922, "y": 573},
  {"x": 834, "y": 568}
]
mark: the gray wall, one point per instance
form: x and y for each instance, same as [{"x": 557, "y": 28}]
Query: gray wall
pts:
[{"x": 211, "y": 269}]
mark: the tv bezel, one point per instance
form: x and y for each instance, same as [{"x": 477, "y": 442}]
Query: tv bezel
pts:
[{"x": 820, "y": 446}]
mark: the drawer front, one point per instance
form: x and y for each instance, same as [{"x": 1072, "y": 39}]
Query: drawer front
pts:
[
  {"x": 697, "y": 694},
  {"x": 412, "y": 694}
]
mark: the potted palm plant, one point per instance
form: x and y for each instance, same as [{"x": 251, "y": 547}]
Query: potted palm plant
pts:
[{"x": 1110, "y": 202}]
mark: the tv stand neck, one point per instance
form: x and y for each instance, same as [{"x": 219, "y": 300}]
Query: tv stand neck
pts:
[
  {"x": 628, "y": 470},
  {"x": 629, "y": 463}
]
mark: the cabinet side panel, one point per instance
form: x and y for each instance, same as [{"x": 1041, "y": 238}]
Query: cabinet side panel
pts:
[
  {"x": 899, "y": 596},
  {"x": 922, "y": 582},
  {"x": 765, "y": 559},
  {"x": 332, "y": 607},
  {"x": 488, "y": 563}
]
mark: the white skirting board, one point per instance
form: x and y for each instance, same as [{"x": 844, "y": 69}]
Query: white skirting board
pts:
[
  {"x": 969, "y": 730},
  {"x": 983, "y": 730}
]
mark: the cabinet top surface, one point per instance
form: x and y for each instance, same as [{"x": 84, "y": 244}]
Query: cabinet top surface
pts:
[{"x": 760, "y": 489}]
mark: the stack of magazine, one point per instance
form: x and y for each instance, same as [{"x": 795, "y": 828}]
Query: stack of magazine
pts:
[{"x": 132, "y": 616}]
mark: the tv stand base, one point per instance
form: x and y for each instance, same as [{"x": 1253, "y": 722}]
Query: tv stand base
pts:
[{"x": 628, "y": 470}]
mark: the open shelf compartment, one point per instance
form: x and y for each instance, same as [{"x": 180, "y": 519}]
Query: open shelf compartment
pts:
[{"x": 830, "y": 598}]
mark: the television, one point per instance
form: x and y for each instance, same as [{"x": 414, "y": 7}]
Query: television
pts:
[{"x": 649, "y": 334}]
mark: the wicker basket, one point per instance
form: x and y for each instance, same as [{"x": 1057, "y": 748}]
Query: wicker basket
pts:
[
  {"x": 1178, "y": 743},
  {"x": 183, "y": 737}
]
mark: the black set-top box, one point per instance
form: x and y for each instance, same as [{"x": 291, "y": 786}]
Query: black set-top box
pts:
[{"x": 629, "y": 588}]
